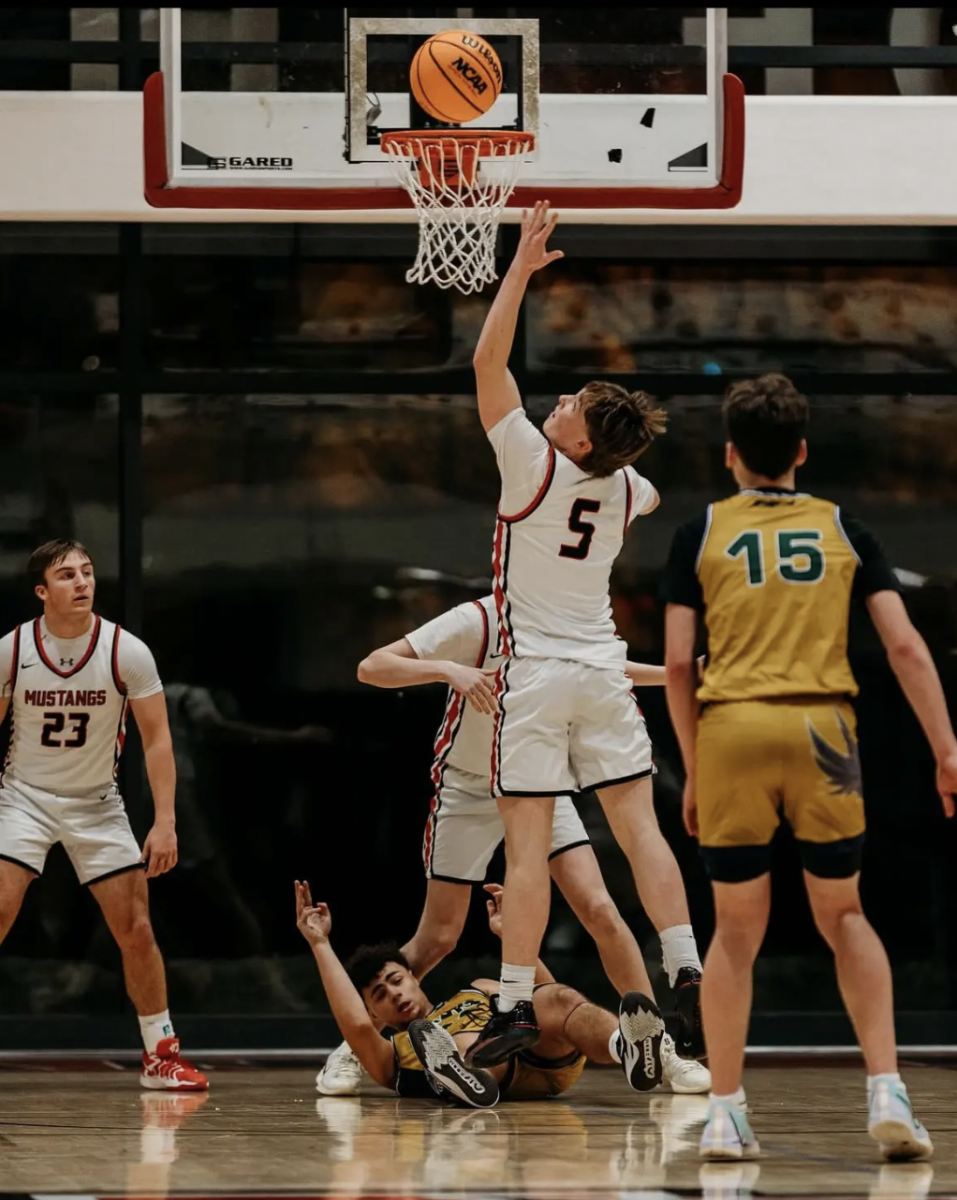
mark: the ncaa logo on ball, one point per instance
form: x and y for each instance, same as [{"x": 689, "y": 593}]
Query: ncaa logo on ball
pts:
[{"x": 471, "y": 76}]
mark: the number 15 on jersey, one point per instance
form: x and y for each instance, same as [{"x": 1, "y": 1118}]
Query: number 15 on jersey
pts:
[{"x": 798, "y": 553}]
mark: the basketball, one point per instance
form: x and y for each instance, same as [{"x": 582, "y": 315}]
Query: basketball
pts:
[{"x": 456, "y": 76}]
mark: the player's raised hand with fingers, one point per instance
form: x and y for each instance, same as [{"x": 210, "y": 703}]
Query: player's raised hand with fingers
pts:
[
  {"x": 494, "y": 905},
  {"x": 537, "y": 227},
  {"x": 475, "y": 684},
  {"x": 313, "y": 921},
  {"x": 160, "y": 850}
]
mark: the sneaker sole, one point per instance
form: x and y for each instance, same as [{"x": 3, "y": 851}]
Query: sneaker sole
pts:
[
  {"x": 729, "y": 1153},
  {"x": 169, "y": 1085},
  {"x": 642, "y": 1029},
  {"x": 448, "y": 1069},
  {"x": 682, "y": 1089},
  {"x": 898, "y": 1142},
  {"x": 501, "y": 1049}
]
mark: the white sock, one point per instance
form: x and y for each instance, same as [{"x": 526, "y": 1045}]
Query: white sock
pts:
[
  {"x": 874, "y": 1080},
  {"x": 736, "y": 1099},
  {"x": 614, "y": 1046},
  {"x": 517, "y": 983},
  {"x": 678, "y": 949},
  {"x": 154, "y": 1029}
]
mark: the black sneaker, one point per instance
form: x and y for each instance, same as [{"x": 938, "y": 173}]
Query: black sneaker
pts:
[
  {"x": 641, "y": 1028},
  {"x": 690, "y": 1039},
  {"x": 436, "y": 1050},
  {"x": 504, "y": 1035}
]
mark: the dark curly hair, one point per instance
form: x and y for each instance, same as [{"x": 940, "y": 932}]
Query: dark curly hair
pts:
[{"x": 369, "y": 961}]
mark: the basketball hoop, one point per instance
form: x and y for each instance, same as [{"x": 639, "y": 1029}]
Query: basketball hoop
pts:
[{"x": 459, "y": 181}]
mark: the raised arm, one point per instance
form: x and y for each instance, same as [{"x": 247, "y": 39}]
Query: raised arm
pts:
[
  {"x": 911, "y": 662},
  {"x": 498, "y": 392},
  {"x": 367, "y": 1044}
]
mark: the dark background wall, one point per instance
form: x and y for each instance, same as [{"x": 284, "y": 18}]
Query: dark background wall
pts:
[{"x": 269, "y": 442}]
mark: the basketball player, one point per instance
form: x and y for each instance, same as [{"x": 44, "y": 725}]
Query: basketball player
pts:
[
  {"x": 464, "y": 827},
  {"x": 69, "y": 678},
  {"x": 770, "y": 734},
  {"x": 566, "y": 718},
  {"x": 422, "y": 1056}
]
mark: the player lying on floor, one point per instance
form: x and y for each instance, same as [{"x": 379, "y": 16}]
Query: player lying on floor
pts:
[
  {"x": 464, "y": 828},
  {"x": 424, "y": 1052}
]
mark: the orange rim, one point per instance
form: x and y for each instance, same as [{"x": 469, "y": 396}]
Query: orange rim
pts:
[
  {"x": 439, "y": 170},
  {"x": 402, "y": 139}
]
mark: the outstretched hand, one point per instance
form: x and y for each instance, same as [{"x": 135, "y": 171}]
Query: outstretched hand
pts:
[
  {"x": 494, "y": 906},
  {"x": 313, "y": 921},
  {"x": 537, "y": 227}
]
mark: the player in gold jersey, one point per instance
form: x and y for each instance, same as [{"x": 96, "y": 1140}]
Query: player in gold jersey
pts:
[
  {"x": 423, "y": 1056},
  {"x": 770, "y": 735}
]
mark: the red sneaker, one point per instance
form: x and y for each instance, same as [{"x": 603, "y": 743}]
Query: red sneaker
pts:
[{"x": 166, "y": 1071}]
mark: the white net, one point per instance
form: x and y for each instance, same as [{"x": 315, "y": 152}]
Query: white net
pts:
[{"x": 459, "y": 187}]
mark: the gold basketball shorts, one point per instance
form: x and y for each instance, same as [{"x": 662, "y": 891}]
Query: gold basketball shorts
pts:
[
  {"x": 764, "y": 761},
  {"x": 532, "y": 1078}
]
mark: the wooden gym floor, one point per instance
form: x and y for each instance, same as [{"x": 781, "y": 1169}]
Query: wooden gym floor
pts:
[{"x": 91, "y": 1130}]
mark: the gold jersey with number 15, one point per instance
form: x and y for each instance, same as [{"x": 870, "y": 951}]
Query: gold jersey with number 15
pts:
[{"x": 774, "y": 572}]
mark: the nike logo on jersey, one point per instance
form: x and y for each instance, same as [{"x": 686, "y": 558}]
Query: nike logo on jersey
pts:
[{"x": 26, "y": 666}]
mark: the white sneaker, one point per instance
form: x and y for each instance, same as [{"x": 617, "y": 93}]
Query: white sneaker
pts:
[
  {"x": 727, "y": 1133},
  {"x": 891, "y": 1121},
  {"x": 341, "y": 1075},
  {"x": 686, "y": 1076}
]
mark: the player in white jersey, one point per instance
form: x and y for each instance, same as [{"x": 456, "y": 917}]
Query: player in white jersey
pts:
[
  {"x": 464, "y": 829},
  {"x": 566, "y": 719},
  {"x": 69, "y": 679}
]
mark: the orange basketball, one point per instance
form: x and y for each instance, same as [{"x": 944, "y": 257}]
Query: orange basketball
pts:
[{"x": 456, "y": 76}]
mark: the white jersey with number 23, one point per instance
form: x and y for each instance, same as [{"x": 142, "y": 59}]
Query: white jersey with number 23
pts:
[{"x": 69, "y": 699}]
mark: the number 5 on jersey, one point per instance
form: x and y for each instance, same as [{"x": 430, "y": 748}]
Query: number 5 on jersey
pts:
[
  {"x": 799, "y": 557},
  {"x": 584, "y": 529}
]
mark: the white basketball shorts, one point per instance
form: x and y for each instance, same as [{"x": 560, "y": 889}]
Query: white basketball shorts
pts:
[
  {"x": 95, "y": 831},
  {"x": 464, "y": 828},
  {"x": 565, "y": 726}
]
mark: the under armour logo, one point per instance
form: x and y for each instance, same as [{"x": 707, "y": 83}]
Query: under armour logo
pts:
[{"x": 66, "y": 662}]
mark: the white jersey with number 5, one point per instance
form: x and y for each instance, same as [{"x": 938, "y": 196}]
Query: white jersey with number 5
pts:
[
  {"x": 69, "y": 700},
  {"x": 558, "y": 532}
]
